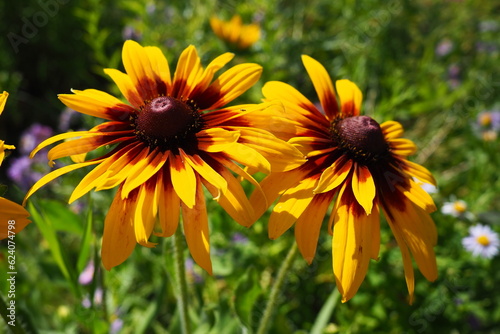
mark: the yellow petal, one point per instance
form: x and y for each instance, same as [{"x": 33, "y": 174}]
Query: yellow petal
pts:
[
  {"x": 234, "y": 33},
  {"x": 195, "y": 223},
  {"x": 13, "y": 218},
  {"x": 281, "y": 155},
  {"x": 143, "y": 170},
  {"x": 296, "y": 104},
  {"x": 419, "y": 172},
  {"x": 351, "y": 246},
  {"x": 96, "y": 103},
  {"x": 407, "y": 263},
  {"x": 419, "y": 234},
  {"x": 216, "y": 139},
  {"x": 92, "y": 179},
  {"x": 126, "y": 86},
  {"x": 334, "y": 175},
  {"x": 3, "y": 100},
  {"x": 419, "y": 196},
  {"x": 4, "y": 147},
  {"x": 350, "y": 97},
  {"x": 183, "y": 179},
  {"x": 250, "y": 34},
  {"x": 391, "y": 129},
  {"x": 169, "y": 205},
  {"x": 402, "y": 146},
  {"x": 138, "y": 68},
  {"x": 363, "y": 187},
  {"x": 230, "y": 85},
  {"x": 125, "y": 160},
  {"x": 234, "y": 200},
  {"x": 248, "y": 156},
  {"x": 161, "y": 70},
  {"x": 62, "y": 136},
  {"x": 310, "y": 145},
  {"x": 290, "y": 206},
  {"x": 85, "y": 145},
  {"x": 205, "y": 171},
  {"x": 273, "y": 186},
  {"x": 55, "y": 174},
  {"x": 323, "y": 86},
  {"x": 145, "y": 214},
  {"x": 187, "y": 73},
  {"x": 217, "y": 25},
  {"x": 118, "y": 240},
  {"x": 209, "y": 72},
  {"x": 308, "y": 225}
]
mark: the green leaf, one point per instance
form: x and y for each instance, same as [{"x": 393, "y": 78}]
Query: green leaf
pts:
[
  {"x": 3, "y": 189},
  {"x": 84, "y": 254},
  {"x": 47, "y": 229},
  {"x": 325, "y": 313},
  {"x": 247, "y": 293},
  {"x": 61, "y": 217}
]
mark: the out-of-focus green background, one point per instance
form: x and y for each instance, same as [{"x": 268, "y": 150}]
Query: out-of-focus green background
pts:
[{"x": 431, "y": 65}]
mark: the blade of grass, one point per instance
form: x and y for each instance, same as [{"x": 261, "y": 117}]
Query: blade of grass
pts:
[
  {"x": 50, "y": 236},
  {"x": 325, "y": 313}
]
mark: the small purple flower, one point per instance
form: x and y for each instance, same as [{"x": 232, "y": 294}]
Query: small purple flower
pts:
[
  {"x": 98, "y": 294},
  {"x": 189, "y": 263},
  {"x": 130, "y": 32},
  {"x": 20, "y": 172},
  {"x": 86, "y": 302},
  {"x": 66, "y": 118},
  {"x": 444, "y": 47},
  {"x": 485, "y": 26},
  {"x": 454, "y": 75},
  {"x": 33, "y": 136},
  {"x": 486, "y": 47},
  {"x": 239, "y": 238},
  {"x": 87, "y": 274},
  {"x": 116, "y": 326}
]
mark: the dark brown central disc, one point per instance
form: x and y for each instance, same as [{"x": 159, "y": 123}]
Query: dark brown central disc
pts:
[
  {"x": 360, "y": 137},
  {"x": 167, "y": 122}
]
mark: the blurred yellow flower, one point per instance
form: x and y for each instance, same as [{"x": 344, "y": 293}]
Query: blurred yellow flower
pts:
[
  {"x": 13, "y": 217},
  {"x": 235, "y": 32}
]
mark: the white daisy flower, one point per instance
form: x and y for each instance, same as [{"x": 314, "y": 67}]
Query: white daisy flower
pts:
[
  {"x": 482, "y": 241},
  {"x": 457, "y": 209}
]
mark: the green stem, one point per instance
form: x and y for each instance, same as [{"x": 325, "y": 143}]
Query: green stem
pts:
[
  {"x": 180, "y": 273},
  {"x": 276, "y": 289}
]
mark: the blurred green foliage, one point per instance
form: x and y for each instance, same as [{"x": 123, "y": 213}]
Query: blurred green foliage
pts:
[{"x": 390, "y": 49}]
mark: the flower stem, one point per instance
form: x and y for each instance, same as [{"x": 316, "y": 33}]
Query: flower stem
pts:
[
  {"x": 276, "y": 289},
  {"x": 180, "y": 273}
]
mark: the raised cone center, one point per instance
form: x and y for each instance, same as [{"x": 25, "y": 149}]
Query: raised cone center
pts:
[
  {"x": 164, "y": 117},
  {"x": 361, "y": 137}
]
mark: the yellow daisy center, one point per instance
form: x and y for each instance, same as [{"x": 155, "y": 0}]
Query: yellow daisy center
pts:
[
  {"x": 485, "y": 119},
  {"x": 168, "y": 123},
  {"x": 460, "y": 207},
  {"x": 483, "y": 240},
  {"x": 360, "y": 137}
]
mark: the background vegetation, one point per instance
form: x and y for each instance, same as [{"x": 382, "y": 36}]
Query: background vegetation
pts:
[{"x": 432, "y": 65}]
